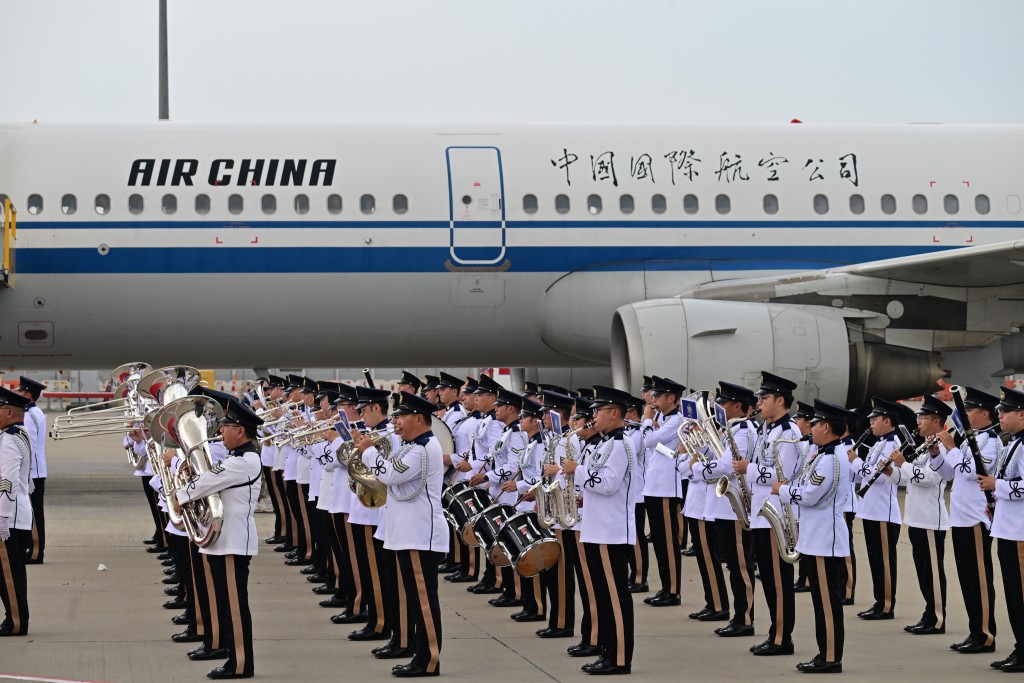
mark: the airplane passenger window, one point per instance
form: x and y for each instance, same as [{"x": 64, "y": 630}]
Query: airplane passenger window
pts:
[
  {"x": 367, "y": 204},
  {"x": 626, "y": 203},
  {"x": 723, "y": 204},
  {"x": 400, "y": 203},
  {"x": 35, "y": 204},
  {"x": 301, "y": 204},
  {"x": 68, "y": 204},
  {"x": 268, "y": 203},
  {"x": 951, "y": 203},
  {"x": 594, "y": 204},
  {"x": 856, "y": 204},
  {"x": 888, "y": 204},
  {"x": 820, "y": 204},
  {"x": 771, "y": 204},
  {"x": 202, "y": 204},
  {"x": 562, "y": 203},
  {"x": 334, "y": 203},
  {"x": 658, "y": 203},
  {"x": 530, "y": 203},
  {"x": 235, "y": 203},
  {"x": 981, "y": 204},
  {"x": 102, "y": 204},
  {"x": 690, "y": 204},
  {"x": 135, "y": 204},
  {"x": 919, "y": 203},
  {"x": 169, "y": 204}
]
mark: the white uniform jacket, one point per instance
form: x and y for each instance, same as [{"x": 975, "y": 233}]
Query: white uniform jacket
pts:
[
  {"x": 967, "y": 503},
  {"x": 609, "y": 495},
  {"x": 662, "y": 480},
  {"x": 925, "y": 504},
  {"x": 879, "y": 504},
  {"x": 1008, "y": 521},
  {"x": 761, "y": 473},
  {"x": 718, "y": 507},
  {"x": 820, "y": 493},
  {"x": 464, "y": 433},
  {"x": 505, "y": 457},
  {"x": 35, "y": 425},
  {"x": 15, "y": 469}
]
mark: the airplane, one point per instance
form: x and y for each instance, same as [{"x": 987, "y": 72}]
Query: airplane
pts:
[{"x": 855, "y": 260}]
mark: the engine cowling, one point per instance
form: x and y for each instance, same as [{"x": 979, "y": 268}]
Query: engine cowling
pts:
[{"x": 699, "y": 342}]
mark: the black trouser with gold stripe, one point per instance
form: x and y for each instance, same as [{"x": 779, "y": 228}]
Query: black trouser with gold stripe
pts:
[
  {"x": 359, "y": 590},
  {"x": 639, "y": 561},
  {"x": 373, "y": 568},
  {"x": 663, "y": 516},
  {"x": 609, "y": 571},
  {"x": 470, "y": 559},
  {"x": 533, "y": 596},
  {"x": 397, "y": 596},
  {"x": 560, "y": 583},
  {"x": 880, "y": 539},
  {"x": 207, "y": 619},
  {"x": 1011, "y": 557},
  {"x": 572, "y": 552},
  {"x": 848, "y": 580},
  {"x": 297, "y": 494},
  {"x": 231, "y": 586},
  {"x": 38, "y": 539},
  {"x": 827, "y": 596},
  {"x": 929, "y": 551},
  {"x": 418, "y": 577},
  {"x": 289, "y": 529},
  {"x": 777, "y": 582},
  {"x": 972, "y": 551},
  {"x": 737, "y": 551},
  {"x": 154, "y": 510},
  {"x": 709, "y": 563},
  {"x": 275, "y": 499},
  {"x": 178, "y": 547},
  {"x": 14, "y": 581},
  {"x": 343, "y": 588}
]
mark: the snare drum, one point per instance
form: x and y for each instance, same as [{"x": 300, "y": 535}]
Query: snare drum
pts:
[
  {"x": 463, "y": 511},
  {"x": 448, "y": 497},
  {"x": 530, "y": 547},
  {"x": 486, "y": 527}
]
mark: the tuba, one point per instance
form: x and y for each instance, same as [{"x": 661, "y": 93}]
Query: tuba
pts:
[
  {"x": 188, "y": 423},
  {"x": 783, "y": 522},
  {"x": 155, "y": 453}
]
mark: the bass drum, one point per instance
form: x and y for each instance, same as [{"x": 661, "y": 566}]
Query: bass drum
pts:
[
  {"x": 448, "y": 497},
  {"x": 464, "y": 510},
  {"x": 486, "y": 527},
  {"x": 530, "y": 548},
  {"x": 444, "y": 436}
]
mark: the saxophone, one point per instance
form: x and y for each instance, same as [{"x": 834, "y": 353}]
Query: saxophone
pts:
[
  {"x": 783, "y": 522},
  {"x": 569, "y": 512},
  {"x": 738, "y": 493}
]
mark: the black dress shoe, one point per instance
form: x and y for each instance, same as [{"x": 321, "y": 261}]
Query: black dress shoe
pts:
[
  {"x": 298, "y": 562},
  {"x": 164, "y": 554},
  {"x": 590, "y": 665},
  {"x": 221, "y": 672},
  {"x": 555, "y": 633},
  {"x": 204, "y": 653},
  {"x": 333, "y": 601},
  {"x": 604, "y": 667},
  {"x": 505, "y": 601},
  {"x": 170, "y": 571},
  {"x": 1013, "y": 666},
  {"x": 689, "y": 552},
  {"x": 820, "y": 666},
  {"x": 447, "y": 567},
  {"x": 801, "y": 588},
  {"x": 735, "y": 631},
  {"x": 284, "y": 548},
  {"x": 167, "y": 563},
  {"x": 530, "y": 618},
  {"x": 974, "y": 647},
  {"x": 173, "y": 590},
  {"x": 667, "y": 600},
  {"x": 484, "y": 589},
  {"x": 156, "y": 549},
  {"x": 176, "y": 603},
  {"x": 325, "y": 590},
  {"x": 928, "y": 630},
  {"x": 275, "y": 540},
  {"x": 846, "y": 602},
  {"x": 869, "y": 611},
  {"x": 715, "y": 616},
  {"x": 316, "y": 578},
  {"x": 764, "y": 643},
  {"x": 460, "y": 577},
  {"x": 187, "y": 636},
  {"x": 657, "y": 595},
  {"x": 392, "y": 651},
  {"x": 998, "y": 664},
  {"x": 699, "y": 614},
  {"x": 520, "y": 613},
  {"x": 639, "y": 588},
  {"x": 911, "y": 627},
  {"x": 171, "y": 579},
  {"x": 311, "y": 569},
  {"x": 367, "y": 633},
  {"x": 349, "y": 618},
  {"x": 150, "y": 541},
  {"x": 583, "y": 650},
  {"x": 181, "y": 619},
  {"x": 877, "y": 616},
  {"x": 413, "y": 670},
  {"x": 772, "y": 650}
]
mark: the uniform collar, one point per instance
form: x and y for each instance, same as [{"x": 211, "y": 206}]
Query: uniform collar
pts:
[
  {"x": 614, "y": 434},
  {"x": 891, "y": 436},
  {"x": 456, "y": 405},
  {"x": 490, "y": 414},
  {"x": 538, "y": 437},
  {"x": 477, "y": 414},
  {"x": 514, "y": 426},
  {"x": 596, "y": 438},
  {"x": 781, "y": 422},
  {"x": 829, "y": 447},
  {"x": 11, "y": 429},
  {"x": 380, "y": 426},
  {"x": 674, "y": 411},
  {"x": 422, "y": 439},
  {"x": 246, "y": 447}
]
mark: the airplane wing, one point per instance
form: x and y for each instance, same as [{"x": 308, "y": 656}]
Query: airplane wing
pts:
[{"x": 993, "y": 265}]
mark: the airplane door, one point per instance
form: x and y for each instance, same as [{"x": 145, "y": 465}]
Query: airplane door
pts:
[{"x": 476, "y": 206}]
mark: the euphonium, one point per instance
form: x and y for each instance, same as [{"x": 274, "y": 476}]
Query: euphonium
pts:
[
  {"x": 370, "y": 490},
  {"x": 738, "y": 493},
  {"x": 783, "y": 522},
  {"x": 155, "y": 453}
]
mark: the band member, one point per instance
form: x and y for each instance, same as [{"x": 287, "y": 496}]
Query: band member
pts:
[
  {"x": 15, "y": 511},
  {"x": 269, "y": 457},
  {"x": 663, "y": 488},
  {"x": 609, "y": 534},
  {"x": 415, "y": 529},
  {"x": 852, "y": 445},
  {"x": 136, "y": 439},
  {"x": 926, "y": 517},
  {"x": 639, "y": 561},
  {"x": 238, "y": 481},
  {"x": 409, "y": 382},
  {"x": 464, "y": 433},
  {"x": 819, "y": 490},
  {"x": 802, "y": 419},
  {"x": 1008, "y": 519},
  {"x": 324, "y": 455},
  {"x": 309, "y": 554},
  {"x": 35, "y": 425},
  {"x": 734, "y": 541},
  {"x": 297, "y": 549},
  {"x": 879, "y": 510},
  {"x": 488, "y": 430},
  {"x": 353, "y": 586},
  {"x": 447, "y": 389},
  {"x": 969, "y": 519}
]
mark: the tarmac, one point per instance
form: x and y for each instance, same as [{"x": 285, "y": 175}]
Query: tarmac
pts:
[{"x": 91, "y": 625}]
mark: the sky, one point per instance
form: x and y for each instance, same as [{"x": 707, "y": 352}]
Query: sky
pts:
[{"x": 622, "y": 61}]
